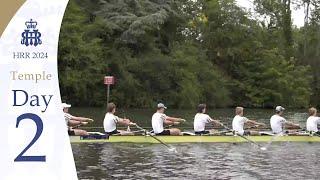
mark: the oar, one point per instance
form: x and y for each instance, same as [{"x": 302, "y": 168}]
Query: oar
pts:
[
  {"x": 275, "y": 137},
  {"x": 272, "y": 139},
  {"x": 249, "y": 140},
  {"x": 170, "y": 148}
]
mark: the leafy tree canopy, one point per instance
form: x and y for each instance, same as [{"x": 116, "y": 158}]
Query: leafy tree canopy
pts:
[{"x": 187, "y": 52}]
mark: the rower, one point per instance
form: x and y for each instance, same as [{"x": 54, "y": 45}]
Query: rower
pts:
[
  {"x": 313, "y": 121},
  {"x": 110, "y": 122},
  {"x": 159, "y": 118},
  {"x": 73, "y": 122},
  {"x": 278, "y": 122},
  {"x": 201, "y": 119},
  {"x": 239, "y": 121}
]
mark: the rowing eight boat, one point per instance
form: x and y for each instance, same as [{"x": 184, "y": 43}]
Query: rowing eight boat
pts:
[{"x": 193, "y": 139}]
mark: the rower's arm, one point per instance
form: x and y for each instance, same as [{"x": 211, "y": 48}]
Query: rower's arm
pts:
[
  {"x": 173, "y": 119},
  {"x": 292, "y": 125},
  {"x": 168, "y": 122},
  {"x": 81, "y": 119},
  {"x": 251, "y": 122},
  {"x": 216, "y": 122},
  {"x": 126, "y": 122},
  {"x": 73, "y": 123}
]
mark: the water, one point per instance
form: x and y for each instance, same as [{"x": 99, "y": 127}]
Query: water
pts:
[{"x": 196, "y": 160}]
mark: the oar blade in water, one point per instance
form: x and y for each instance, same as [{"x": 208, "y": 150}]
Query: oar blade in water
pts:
[{"x": 263, "y": 148}]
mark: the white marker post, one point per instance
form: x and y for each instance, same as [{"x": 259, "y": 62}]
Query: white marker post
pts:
[{"x": 108, "y": 80}]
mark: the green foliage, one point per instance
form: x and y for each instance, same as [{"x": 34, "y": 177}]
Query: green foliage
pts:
[
  {"x": 271, "y": 80},
  {"x": 81, "y": 66},
  {"x": 183, "y": 53},
  {"x": 261, "y": 75},
  {"x": 311, "y": 54}
]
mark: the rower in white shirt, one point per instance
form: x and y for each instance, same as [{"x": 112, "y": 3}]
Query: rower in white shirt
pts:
[
  {"x": 313, "y": 121},
  {"x": 278, "y": 122},
  {"x": 201, "y": 119},
  {"x": 74, "y": 122},
  {"x": 159, "y": 118},
  {"x": 110, "y": 122},
  {"x": 239, "y": 121}
]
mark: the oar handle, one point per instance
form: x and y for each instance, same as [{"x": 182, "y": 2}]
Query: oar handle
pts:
[
  {"x": 182, "y": 120},
  {"x": 142, "y": 129},
  {"x": 224, "y": 126},
  {"x": 137, "y": 126},
  {"x": 90, "y": 120}
]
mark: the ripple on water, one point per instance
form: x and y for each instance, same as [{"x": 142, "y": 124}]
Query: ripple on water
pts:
[{"x": 197, "y": 161}]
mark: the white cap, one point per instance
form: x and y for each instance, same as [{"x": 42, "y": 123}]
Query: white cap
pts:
[
  {"x": 280, "y": 108},
  {"x": 65, "y": 105},
  {"x": 160, "y": 105}
]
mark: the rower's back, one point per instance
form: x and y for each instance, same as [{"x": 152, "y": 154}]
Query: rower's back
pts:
[
  {"x": 313, "y": 120},
  {"x": 157, "y": 122},
  {"x": 276, "y": 123}
]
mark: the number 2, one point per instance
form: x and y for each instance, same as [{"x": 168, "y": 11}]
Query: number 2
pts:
[{"x": 39, "y": 125}]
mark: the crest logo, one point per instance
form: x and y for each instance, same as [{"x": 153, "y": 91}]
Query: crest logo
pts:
[{"x": 31, "y": 35}]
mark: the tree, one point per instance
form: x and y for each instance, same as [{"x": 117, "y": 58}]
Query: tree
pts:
[
  {"x": 260, "y": 73},
  {"x": 80, "y": 61},
  {"x": 309, "y": 36},
  {"x": 187, "y": 52},
  {"x": 279, "y": 14}
]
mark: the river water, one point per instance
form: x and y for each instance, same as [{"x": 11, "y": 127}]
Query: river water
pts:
[{"x": 195, "y": 160}]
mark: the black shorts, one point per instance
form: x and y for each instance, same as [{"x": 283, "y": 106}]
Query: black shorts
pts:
[
  {"x": 112, "y": 132},
  {"x": 164, "y": 133},
  {"x": 71, "y": 133},
  {"x": 201, "y": 132}
]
